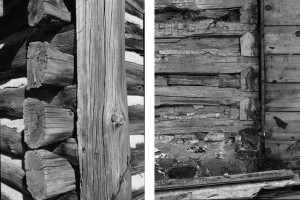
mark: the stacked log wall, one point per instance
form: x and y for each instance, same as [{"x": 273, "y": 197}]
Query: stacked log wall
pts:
[
  {"x": 15, "y": 41},
  {"x": 282, "y": 83},
  {"x": 207, "y": 93}
]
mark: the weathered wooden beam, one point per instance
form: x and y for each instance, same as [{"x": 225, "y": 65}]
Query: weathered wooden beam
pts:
[
  {"x": 40, "y": 11},
  {"x": 48, "y": 66},
  {"x": 102, "y": 94},
  {"x": 13, "y": 176},
  {"x": 11, "y": 101},
  {"x": 46, "y": 124},
  {"x": 203, "y": 4},
  {"x": 47, "y": 174},
  {"x": 5, "y": 197},
  {"x": 135, "y": 7},
  {"x": 198, "y": 46},
  {"x": 202, "y": 28},
  {"x": 1, "y": 11},
  {"x": 203, "y": 64}
]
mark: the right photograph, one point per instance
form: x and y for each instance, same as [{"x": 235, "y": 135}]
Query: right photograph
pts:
[{"x": 227, "y": 99}]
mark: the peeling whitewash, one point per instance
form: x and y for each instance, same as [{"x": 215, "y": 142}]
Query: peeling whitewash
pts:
[
  {"x": 135, "y": 20},
  {"x": 134, "y": 57}
]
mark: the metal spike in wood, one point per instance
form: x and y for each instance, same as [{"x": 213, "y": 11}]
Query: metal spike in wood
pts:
[
  {"x": 47, "y": 174},
  {"x": 41, "y": 10},
  {"x": 48, "y": 66},
  {"x": 46, "y": 124}
]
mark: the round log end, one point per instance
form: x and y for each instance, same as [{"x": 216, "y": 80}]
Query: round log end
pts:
[{"x": 34, "y": 121}]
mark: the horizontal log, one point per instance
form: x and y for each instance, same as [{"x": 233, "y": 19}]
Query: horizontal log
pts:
[
  {"x": 199, "y": 46},
  {"x": 46, "y": 124},
  {"x": 202, "y": 28},
  {"x": 282, "y": 68},
  {"x": 204, "y": 125},
  {"x": 11, "y": 105},
  {"x": 281, "y": 12},
  {"x": 47, "y": 174},
  {"x": 173, "y": 14},
  {"x": 3, "y": 195},
  {"x": 282, "y": 96},
  {"x": 206, "y": 93},
  {"x": 13, "y": 176},
  {"x": 282, "y": 39},
  {"x": 1, "y": 12},
  {"x": 48, "y": 66},
  {"x": 13, "y": 53},
  {"x": 190, "y": 112},
  {"x": 222, "y": 81},
  {"x": 203, "y": 64},
  {"x": 41, "y": 11},
  {"x": 135, "y": 7},
  {"x": 203, "y": 4},
  {"x": 282, "y": 123}
]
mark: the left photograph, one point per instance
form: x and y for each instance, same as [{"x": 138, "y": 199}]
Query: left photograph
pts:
[{"x": 72, "y": 99}]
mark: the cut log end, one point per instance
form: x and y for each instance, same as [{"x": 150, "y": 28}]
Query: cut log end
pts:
[
  {"x": 48, "y": 66},
  {"x": 43, "y": 11},
  {"x": 45, "y": 124},
  {"x": 48, "y": 175}
]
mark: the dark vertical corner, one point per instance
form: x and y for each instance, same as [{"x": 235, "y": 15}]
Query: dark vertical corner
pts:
[{"x": 262, "y": 81}]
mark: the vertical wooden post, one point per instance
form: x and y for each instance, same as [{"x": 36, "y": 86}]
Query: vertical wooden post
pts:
[
  {"x": 103, "y": 138},
  {"x": 1, "y": 8}
]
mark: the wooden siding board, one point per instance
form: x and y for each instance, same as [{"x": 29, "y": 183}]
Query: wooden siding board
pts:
[
  {"x": 282, "y": 97},
  {"x": 282, "y": 122},
  {"x": 282, "y": 12},
  {"x": 282, "y": 39},
  {"x": 283, "y": 68}
]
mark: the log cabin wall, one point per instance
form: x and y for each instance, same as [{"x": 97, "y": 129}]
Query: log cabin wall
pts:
[
  {"x": 207, "y": 93},
  {"x": 37, "y": 81},
  {"x": 282, "y": 84}
]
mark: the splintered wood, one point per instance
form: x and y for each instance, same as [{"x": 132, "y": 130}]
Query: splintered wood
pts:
[
  {"x": 46, "y": 124},
  {"x": 43, "y": 169}
]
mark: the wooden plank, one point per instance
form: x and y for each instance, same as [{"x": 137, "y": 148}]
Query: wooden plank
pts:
[
  {"x": 1, "y": 8},
  {"x": 199, "y": 46},
  {"x": 102, "y": 94},
  {"x": 281, "y": 12},
  {"x": 282, "y": 39},
  {"x": 202, "y": 28},
  {"x": 202, "y": 4},
  {"x": 48, "y": 175},
  {"x": 203, "y": 64},
  {"x": 282, "y": 123},
  {"x": 282, "y": 68},
  {"x": 283, "y": 96}
]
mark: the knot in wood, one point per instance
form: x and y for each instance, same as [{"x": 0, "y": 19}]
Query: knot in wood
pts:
[{"x": 117, "y": 118}]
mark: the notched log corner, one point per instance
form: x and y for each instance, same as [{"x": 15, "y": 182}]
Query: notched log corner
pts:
[
  {"x": 45, "y": 11},
  {"x": 48, "y": 66},
  {"x": 46, "y": 124}
]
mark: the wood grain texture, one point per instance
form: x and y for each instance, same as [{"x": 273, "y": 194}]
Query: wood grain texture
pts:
[
  {"x": 1, "y": 8},
  {"x": 198, "y": 46},
  {"x": 41, "y": 11},
  {"x": 281, "y": 12},
  {"x": 201, "y": 28},
  {"x": 14, "y": 176},
  {"x": 202, "y": 4},
  {"x": 282, "y": 39},
  {"x": 46, "y": 124},
  {"x": 48, "y": 66},
  {"x": 282, "y": 97},
  {"x": 203, "y": 64},
  {"x": 282, "y": 68},
  {"x": 135, "y": 7},
  {"x": 47, "y": 174},
  {"x": 11, "y": 102},
  {"x": 103, "y": 147}
]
